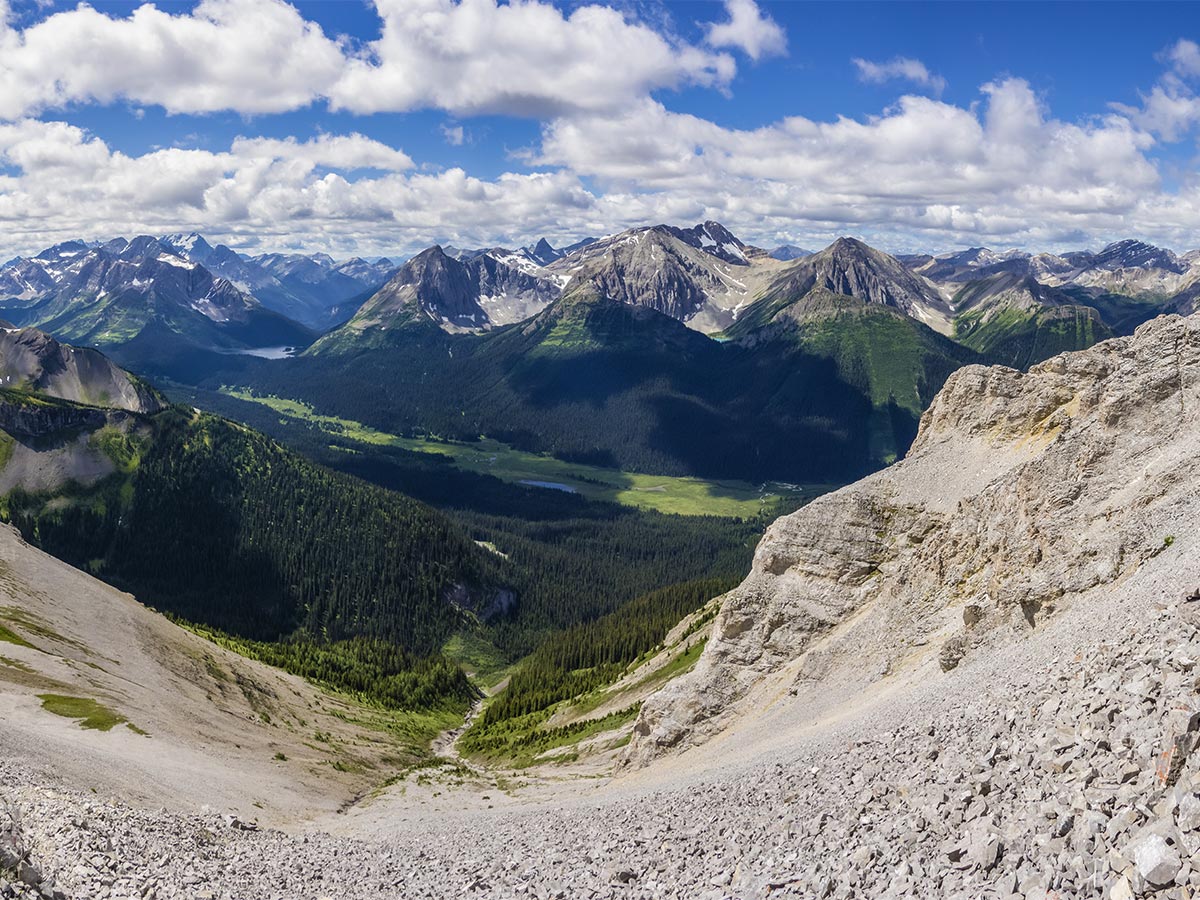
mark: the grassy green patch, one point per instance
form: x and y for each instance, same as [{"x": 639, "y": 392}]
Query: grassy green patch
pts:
[
  {"x": 1021, "y": 338},
  {"x": 7, "y": 445},
  {"x": 31, "y": 624},
  {"x": 479, "y": 657},
  {"x": 373, "y": 672},
  {"x": 522, "y": 741},
  {"x": 8, "y": 636},
  {"x": 365, "y": 683},
  {"x": 668, "y": 494},
  {"x": 90, "y": 714},
  {"x": 678, "y": 665},
  {"x": 124, "y": 450}
]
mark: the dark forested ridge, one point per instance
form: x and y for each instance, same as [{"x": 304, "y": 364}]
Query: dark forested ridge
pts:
[
  {"x": 579, "y": 659},
  {"x": 218, "y": 524},
  {"x": 569, "y": 559}
]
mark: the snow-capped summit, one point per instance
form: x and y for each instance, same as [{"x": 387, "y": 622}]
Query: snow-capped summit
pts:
[
  {"x": 714, "y": 238},
  {"x": 119, "y": 291},
  {"x": 517, "y": 259},
  {"x": 190, "y": 246}
]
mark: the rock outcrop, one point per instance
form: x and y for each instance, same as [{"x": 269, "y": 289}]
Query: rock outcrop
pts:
[
  {"x": 32, "y": 360},
  {"x": 28, "y": 418},
  {"x": 1022, "y": 493}
]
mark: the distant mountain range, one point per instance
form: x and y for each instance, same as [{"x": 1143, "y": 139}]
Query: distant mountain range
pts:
[
  {"x": 123, "y": 292},
  {"x": 707, "y": 278},
  {"x": 129, "y": 285},
  {"x": 795, "y": 365},
  {"x": 314, "y": 289}
]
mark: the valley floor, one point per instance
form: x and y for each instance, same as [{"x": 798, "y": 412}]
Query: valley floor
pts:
[{"x": 1057, "y": 766}]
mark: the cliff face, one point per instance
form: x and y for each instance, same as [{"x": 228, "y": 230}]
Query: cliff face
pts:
[
  {"x": 1022, "y": 492},
  {"x": 33, "y": 360},
  {"x": 25, "y": 419}
]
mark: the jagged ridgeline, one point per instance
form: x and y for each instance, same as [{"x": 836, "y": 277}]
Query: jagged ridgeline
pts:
[
  {"x": 822, "y": 377},
  {"x": 218, "y": 524}
]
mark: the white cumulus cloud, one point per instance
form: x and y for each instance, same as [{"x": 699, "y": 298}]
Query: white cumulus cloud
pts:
[
  {"x": 902, "y": 68},
  {"x": 1172, "y": 108},
  {"x": 610, "y": 153},
  {"x": 523, "y": 59},
  {"x": 1003, "y": 170},
  {"x": 526, "y": 58},
  {"x": 757, "y": 35},
  {"x": 253, "y": 56}
]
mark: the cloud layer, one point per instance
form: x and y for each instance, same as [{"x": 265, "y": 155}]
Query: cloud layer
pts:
[
  {"x": 921, "y": 173},
  {"x": 748, "y": 29}
]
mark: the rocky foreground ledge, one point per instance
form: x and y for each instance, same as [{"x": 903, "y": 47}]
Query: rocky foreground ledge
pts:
[{"x": 1076, "y": 776}]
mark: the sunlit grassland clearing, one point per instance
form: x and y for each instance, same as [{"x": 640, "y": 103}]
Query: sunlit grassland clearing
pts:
[{"x": 666, "y": 494}]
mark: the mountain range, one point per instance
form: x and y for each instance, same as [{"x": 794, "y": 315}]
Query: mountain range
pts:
[
  {"x": 138, "y": 293},
  {"x": 615, "y": 350},
  {"x": 806, "y": 384},
  {"x": 107, "y": 293},
  {"x": 314, "y": 289},
  {"x": 707, "y": 278},
  {"x": 836, "y": 352}
]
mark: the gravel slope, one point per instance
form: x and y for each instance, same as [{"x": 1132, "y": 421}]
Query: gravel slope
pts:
[{"x": 1039, "y": 768}]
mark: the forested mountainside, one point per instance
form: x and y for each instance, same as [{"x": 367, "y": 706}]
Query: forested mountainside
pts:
[
  {"x": 218, "y": 524},
  {"x": 329, "y": 575}
]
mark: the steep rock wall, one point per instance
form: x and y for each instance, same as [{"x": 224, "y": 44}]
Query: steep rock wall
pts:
[{"x": 1021, "y": 492}]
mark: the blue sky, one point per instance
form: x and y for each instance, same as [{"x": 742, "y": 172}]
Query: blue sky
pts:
[{"x": 363, "y": 127}]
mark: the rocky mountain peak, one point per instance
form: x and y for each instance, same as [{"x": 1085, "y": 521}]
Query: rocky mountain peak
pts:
[
  {"x": 33, "y": 360},
  {"x": 191, "y": 246},
  {"x": 1129, "y": 254},
  {"x": 543, "y": 252},
  {"x": 143, "y": 247},
  {"x": 63, "y": 250},
  {"x": 788, "y": 252},
  {"x": 851, "y": 267},
  {"x": 849, "y": 248},
  {"x": 713, "y": 238},
  {"x": 435, "y": 273}
]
